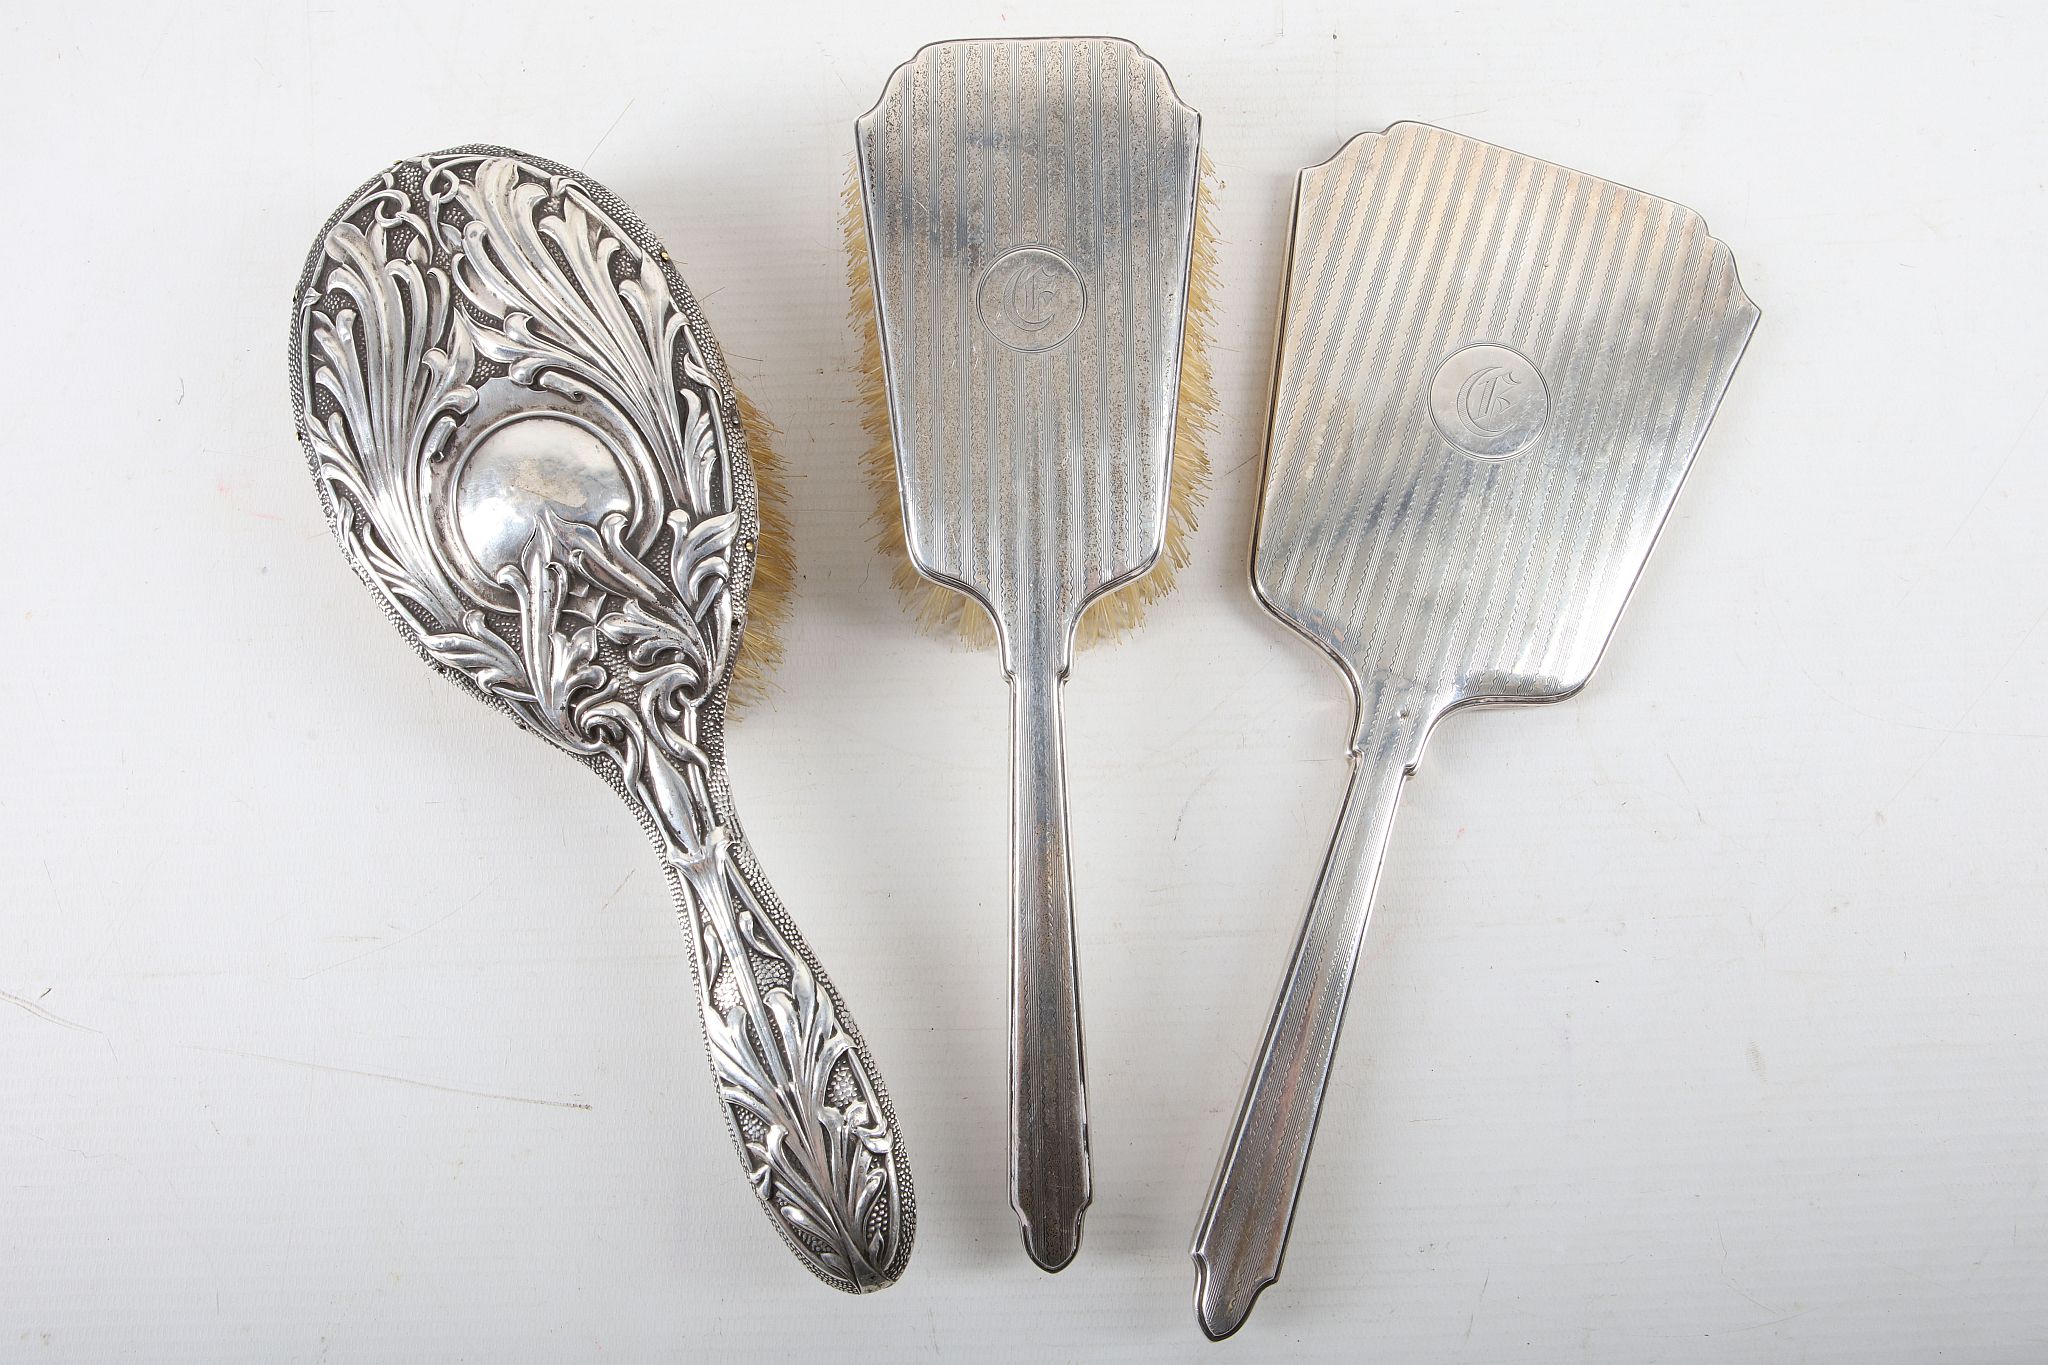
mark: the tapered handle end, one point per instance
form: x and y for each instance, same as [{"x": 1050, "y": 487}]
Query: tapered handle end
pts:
[
  {"x": 1224, "y": 1295},
  {"x": 1243, "y": 1233},
  {"x": 1053, "y": 1242}
]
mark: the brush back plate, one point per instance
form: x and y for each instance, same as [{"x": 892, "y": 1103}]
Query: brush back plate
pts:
[
  {"x": 1030, "y": 208},
  {"x": 1492, "y": 377}
]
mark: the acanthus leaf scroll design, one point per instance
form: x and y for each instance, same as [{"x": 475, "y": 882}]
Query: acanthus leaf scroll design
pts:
[{"x": 460, "y": 294}]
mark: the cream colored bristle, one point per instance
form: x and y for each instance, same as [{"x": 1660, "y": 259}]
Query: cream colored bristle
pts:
[
  {"x": 947, "y": 613},
  {"x": 1194, "y": 416},
  {"x": 938, "y": 609},
  {"x": 769, "y": 598}
]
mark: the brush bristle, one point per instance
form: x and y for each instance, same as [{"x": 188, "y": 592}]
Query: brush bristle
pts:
[
  {"x": 949, "y": 614},
  {"x": 768, "y": 599},
  {"x": 1117, "y": 614},
  {"x": 939, "y": 610}
]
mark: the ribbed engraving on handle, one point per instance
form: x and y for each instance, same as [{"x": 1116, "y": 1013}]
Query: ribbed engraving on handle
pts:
[
  {"x": 1030, "y": 210},
  {"x": 1494, "y": 374}
]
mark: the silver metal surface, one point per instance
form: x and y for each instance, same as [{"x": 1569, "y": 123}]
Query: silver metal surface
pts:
[
  {"x": 530, "y": 451},
  {"x": 1030, "y": 212},
  {"x": 1492, "y": 376}
]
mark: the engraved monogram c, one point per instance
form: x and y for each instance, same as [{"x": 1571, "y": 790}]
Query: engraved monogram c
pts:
[{"x": 1030, "y": 299}]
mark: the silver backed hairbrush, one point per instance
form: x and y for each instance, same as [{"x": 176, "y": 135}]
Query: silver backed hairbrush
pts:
[
  {"x": 529, "y": 448},
  {"x": 1030, "y": 218},
  {"x": 1493, "y": 374}
]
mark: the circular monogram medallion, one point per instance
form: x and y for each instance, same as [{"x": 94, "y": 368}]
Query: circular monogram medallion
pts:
[
  {"x": 1489, "y": 401},
  {"x": 1030, "y": 299}
]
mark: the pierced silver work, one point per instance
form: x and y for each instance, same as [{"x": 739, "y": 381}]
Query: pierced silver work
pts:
[{"x": 528, "y": 447}]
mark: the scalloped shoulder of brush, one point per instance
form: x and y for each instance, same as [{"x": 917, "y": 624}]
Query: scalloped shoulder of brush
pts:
[{"x": 947, "y": 614}]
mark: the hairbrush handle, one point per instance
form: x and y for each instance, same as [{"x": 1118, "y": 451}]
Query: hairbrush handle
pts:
[
  {"x": 1048, "y": 1097},
  {"x": 806, "y": 1107},
  {"x": 1243, "y": 1233}
]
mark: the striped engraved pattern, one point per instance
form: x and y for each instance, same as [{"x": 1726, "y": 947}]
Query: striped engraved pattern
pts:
[
  {"x": 1436, "y": 576},
  {"x": 1030, "y": 210}
]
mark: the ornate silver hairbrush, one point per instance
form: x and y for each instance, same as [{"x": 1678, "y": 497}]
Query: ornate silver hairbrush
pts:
[{"x": 529, "y": 448}]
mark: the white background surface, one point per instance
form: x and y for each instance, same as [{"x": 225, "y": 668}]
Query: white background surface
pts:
[{"x": 1701, "y": 1019}]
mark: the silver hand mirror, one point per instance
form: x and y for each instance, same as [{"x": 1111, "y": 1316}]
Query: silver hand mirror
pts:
[
  {"x": 529, "y": 448},
  {"x": 1493, "y": 374}
]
